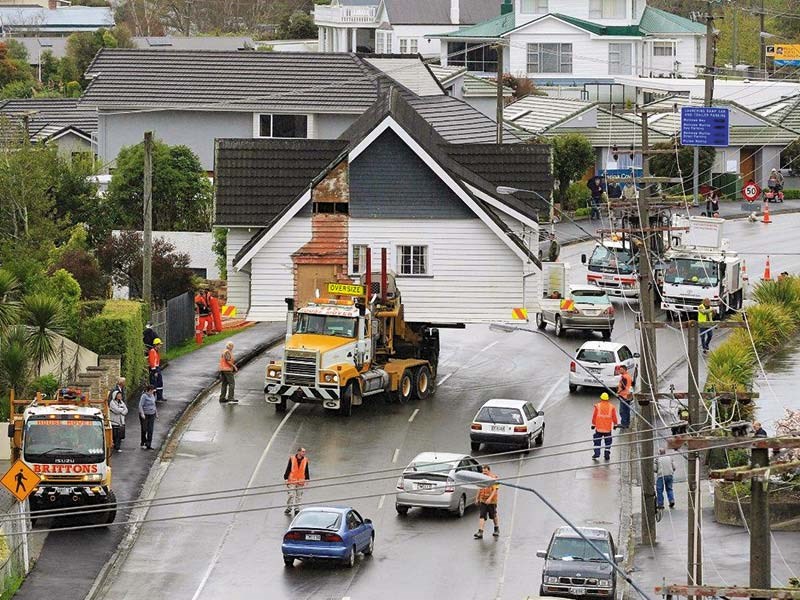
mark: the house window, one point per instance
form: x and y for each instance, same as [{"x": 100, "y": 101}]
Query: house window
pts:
[
  {"x": 408, "y": 45},
  {"x": 533, "y": 7},
  {"x": 412, "y": 260},
  {"x": 383, "y": 42},
  {"x": 549, "y": 58},
  {"x": 358, "y": 264},
  {"x": 663, "y": 49},
  {"x": 620, "y": 59},
  {"x": 606, "y": 9},
  {"x": 282, "y": 126},
  {"x": 476, "y": 57}
]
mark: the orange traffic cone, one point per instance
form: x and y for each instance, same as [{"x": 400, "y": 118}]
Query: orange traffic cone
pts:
[
  {"x": 766, "y": 214},
  {"x": 767, "y": 273}
]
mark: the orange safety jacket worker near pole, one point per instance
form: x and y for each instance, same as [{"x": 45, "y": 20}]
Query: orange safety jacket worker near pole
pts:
[
  {"x": 604, "y": 418},
  {"x": 154, "y": 365},
  {"x": 624, "y": 390},
  {"x": 203, "y": 312},
  {"x": 216, "y": 313}
]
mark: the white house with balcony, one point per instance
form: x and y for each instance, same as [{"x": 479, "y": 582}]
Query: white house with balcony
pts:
[
  {"x": 578, "y": 42},
  {"x": 395, "y": 26}
]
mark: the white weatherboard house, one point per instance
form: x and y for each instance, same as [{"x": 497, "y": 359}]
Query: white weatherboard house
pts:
[
  {"x": 576, "y": 42},
  {"x": 301, "y": 213}
]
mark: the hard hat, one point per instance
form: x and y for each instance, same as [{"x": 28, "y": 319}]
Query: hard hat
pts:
[
  {"x": 604, "y": 396},
  {"x": 156, "y": 341}
]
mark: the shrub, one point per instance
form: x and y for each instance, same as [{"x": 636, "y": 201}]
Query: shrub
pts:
[
  {"x": 791, "y": 194},
  {"x": 85, "y": 268},
  {"x": 583, "y": 212},
  {"x": 785, "y": 292},
  {"x": 46, "y": 384},
  {"x": 578, "y": 195},
  {"x": 770, "y": 325},
  {"x": 118, "y": 329}
]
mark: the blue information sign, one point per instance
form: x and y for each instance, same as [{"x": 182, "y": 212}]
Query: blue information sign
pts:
[{"x": 705, "y": 126}]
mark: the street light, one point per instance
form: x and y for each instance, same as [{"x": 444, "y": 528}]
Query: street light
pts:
[{"x": 482, "y": 480}]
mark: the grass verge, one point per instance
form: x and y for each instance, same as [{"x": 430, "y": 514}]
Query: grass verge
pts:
[{"x": 190, "y": 345}]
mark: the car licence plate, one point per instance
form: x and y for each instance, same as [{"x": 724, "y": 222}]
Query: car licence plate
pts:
[
  {"x": 498, "y": 428},
  {"x": 424, "y": 486},
  {"x": 313, "y": 537},
  {"x": 577, "y": 591}
]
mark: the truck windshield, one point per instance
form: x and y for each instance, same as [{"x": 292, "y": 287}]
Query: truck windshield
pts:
[
  {"x": 567, "y": 548},
  {"x": 611, "y": 260},
  {"x": 687, "y": 271},
  {"x": 53, "y": 440},
  {"x": 327, "y": 325}
]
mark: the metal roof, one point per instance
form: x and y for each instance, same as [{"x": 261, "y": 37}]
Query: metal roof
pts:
[
  {"x": 68, "y": 18},
  {"x": 409, "y": 72},
  {"x": 611, "y": 128},
  {"x": 490, "y": 29},
  {"x": 659, "y": 21},
  {"x": 785, "y": 111},
  {"x": 479, "y": 87},
  {"x": 445, "y": 75},
  {"x": 537, "y": 113},
  {"x": 437, "y": 12}
]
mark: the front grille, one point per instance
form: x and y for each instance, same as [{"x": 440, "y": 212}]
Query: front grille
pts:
[
  {"x": 682, "y": 300},
  {"x": 300, "y": 368},
  {"x": 47, "y": 478},
  {"x": 577, "y": 581}
]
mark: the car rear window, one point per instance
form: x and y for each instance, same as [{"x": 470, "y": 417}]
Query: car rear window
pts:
[
  {"x": 565, "y": 548},
  {"x": 590, "y": 297},
  {"x": 318, "y": 520},
  {"x": 597, "y": 356},
  {"x": 500, "y": 414},
  {"x": 432, "y": 467}
]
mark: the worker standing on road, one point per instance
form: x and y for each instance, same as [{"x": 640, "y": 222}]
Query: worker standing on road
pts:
[
  {"x": 296, "y": 475},
  {"x": 154, "y": 364},
  {"x": 664, "y": 467},
  {"x": 487, "y": 504},
  {"x": 227, "y": 370},
  {"x": 624, "y": 391},
  {"x": 148, "y": 413},
  {"x": 604, "y": 418},
  {"x": 705, "y": 314}
]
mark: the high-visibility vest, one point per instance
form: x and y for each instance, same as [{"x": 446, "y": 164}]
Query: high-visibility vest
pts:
[
  {"x": 604, "y": 417},
  {"x": 226, "y": 361},
  {"x": 705, "y": 314},
  {"x": 153, "y": 358},
  {"x": 297, "y": 474},
  {"x": 488, "y": 495},
  {"x": 625, "y": 385}
]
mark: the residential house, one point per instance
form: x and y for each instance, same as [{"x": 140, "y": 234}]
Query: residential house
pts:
[
  {"x": 62, "y": 122},
  {"x": 395, "y": 26},
  {"x": 301, "y": 213},
  {"x": 192, "y": 97},
  {"x": 476, "y": 91},
  {"x": 32, "y": 20},
  {"x": 577, "y": 42}
]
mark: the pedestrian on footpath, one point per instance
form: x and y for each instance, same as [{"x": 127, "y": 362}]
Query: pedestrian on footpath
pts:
[
  {"x": 705, "y": 314},
  {"x": 758, "y": 430},
  {"x": 227, "y": 370},
  {"x": 118, "y": 410},
  {"x": 487, "y": 505},
  {"x": 148, "y": 413},
  {"x": 296, "y": 476},
  {"x": 624, "y": 391},
  {"x": 119, "y": 387},
  {"x": 604, "y": 418},
  {"x": 154, "y": 364},
  {"x": 664, "y": 468}
]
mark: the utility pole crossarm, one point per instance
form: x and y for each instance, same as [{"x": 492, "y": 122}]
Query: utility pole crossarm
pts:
[
  {"x": 704, "y": 395},
  {"x": 746, "y": 473},
  {"x": 732, "y": 592}
]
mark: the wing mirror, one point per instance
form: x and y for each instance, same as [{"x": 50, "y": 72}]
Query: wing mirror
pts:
[
  {"x": 541, "y": 553},
  {"x": 635, "y": 355},
  {"x": 368, "y": 521},
  {"x": 583, "y": 258},
  {"x": 540, "y": 413},
  {"x": 619, "y": 557}
]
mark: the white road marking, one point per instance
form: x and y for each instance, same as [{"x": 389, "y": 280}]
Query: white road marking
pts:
[
  {"x": 395, "y": 455},
  {"x": 218, "y": 552},
  {"x": 485, "y": 348},
  {"x": 445, "y": 378},
  {"x": 550, "y": 393},
  {"x": 380, "y": 502},
  {"x": 507, "y": 550},
  {"x": 186, "y": 455},
  {"x": 414, "y": 414}
]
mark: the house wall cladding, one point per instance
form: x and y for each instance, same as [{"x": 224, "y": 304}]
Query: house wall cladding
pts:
[
  {"x": 391, "y": 182},
  {"x": 238, "y": 281}
]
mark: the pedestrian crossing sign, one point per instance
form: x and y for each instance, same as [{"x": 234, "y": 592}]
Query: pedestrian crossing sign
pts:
[{"x": 20, "y": 480}]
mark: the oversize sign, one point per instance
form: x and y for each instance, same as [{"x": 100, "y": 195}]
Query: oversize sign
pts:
[
  {"x": 346, "y": 289},
  {"x": 705, "y": 126}
]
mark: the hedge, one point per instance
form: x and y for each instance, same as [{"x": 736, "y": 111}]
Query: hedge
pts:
[
  {"x": 791, "y": 194},
  {"x": 118, "y": 329}
]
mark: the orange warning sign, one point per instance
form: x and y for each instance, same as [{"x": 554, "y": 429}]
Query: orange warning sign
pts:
[
  {"x": 567, "y": 304},
  {"x": 20, "y": 480},
  {"x": 519, "y": 314}
]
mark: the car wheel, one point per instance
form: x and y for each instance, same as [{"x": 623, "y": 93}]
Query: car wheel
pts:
[
  {"x": 540, "y": 321},
  {"x": 573, "y": 388},
  {"x": 371, "y": 546},
  {"x": 541, "y": 590},
  {"x": 475, "y": 446},
  {"x": 350, "y": 561},
  {"x": 422, "y": 382},
  {"x": 606, "y": 334},
  {"x": 540, "y": 438},
  {"x": 559, "y": 327},
  {"x": 462, "y": 507},
  {"x": 288, "y": 561},
  {"x": 111, "y": 514},
  {"x": 401, "y": 509},
  {"x": 405, "y": 390}
]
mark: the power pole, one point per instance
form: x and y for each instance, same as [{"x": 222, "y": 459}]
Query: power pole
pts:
[
  {"x": 761, "y": 41},
  {"x": 708, "y": 100},
  {"x": 695, "y": 552},
  {"x": 760, "y": 550},
  {"x": 147, "y": 236},
  {"x": 499, "y": 49},
  {"x": 735, "y": 49}
]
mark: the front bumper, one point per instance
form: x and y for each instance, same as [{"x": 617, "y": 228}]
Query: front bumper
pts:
[
  {"x": 327, "y": 396},
  {"x": 590, "y": 323},
  {"x": 568, "y": 591},
  {"x": 314, "y": 551},
  {"x": 627, "y": 288},
  {"x": 447, "y": 500},
  {"x": 63, "y": 496},
  {"x": 582, "y": 378},
  {"x": 507, "y": 439}
]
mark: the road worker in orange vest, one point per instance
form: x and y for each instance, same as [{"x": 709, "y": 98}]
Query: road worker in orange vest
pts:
[
  {"x": 296, "y": 475},
  {"x": 624, "y": 391},
  {"x": 227, "y": 370},
  {"x": 604, "y": 418},
  {"x": 154, "y": 365}
]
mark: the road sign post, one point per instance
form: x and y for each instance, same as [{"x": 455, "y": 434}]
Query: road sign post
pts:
[{"x": 21, "y": 480}]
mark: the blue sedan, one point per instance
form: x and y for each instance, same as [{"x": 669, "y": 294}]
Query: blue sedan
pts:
[{"x": 328, "y": 533}]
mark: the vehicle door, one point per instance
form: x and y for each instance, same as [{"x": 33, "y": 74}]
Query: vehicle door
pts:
[
  {"x": 627, "y": 358},
  {"x": 357, "y": 529},
  {"x": 469, "y": 489},
  {"x": 533, "y": 419}
]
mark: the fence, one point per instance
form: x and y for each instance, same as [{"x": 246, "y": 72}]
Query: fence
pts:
[
  {"x": 12, "y": 548},
  {"x": 175, "y": 323}
]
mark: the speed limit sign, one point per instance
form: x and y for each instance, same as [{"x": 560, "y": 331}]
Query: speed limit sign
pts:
[{"x": 751, "y": 191}]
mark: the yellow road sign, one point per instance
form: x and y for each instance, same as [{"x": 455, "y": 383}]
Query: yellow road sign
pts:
[
  {"x": 346, "y": 289},
  {"x": 519, "y": 314},
  {"x": 20, "y": 480}
]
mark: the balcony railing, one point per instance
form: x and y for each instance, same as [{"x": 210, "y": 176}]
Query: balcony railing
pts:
[{"x": 345, "y": 14}]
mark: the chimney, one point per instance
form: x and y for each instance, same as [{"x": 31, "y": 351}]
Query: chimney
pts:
[
  {"x": 52, "y": 4},
  {"x": 455, "y": 11},
  {"x": 507, "y": 7}
]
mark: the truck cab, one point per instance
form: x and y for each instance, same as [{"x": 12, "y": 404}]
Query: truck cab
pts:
[{"x": 613, "y": 267}]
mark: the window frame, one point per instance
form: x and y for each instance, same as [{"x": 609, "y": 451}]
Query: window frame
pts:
[
  {"x": 597, "y": 9},
  {"x": 411, "y": 45},
  {"x": 257, "y": 117},
  {"x": 622, "y": 68},
  {"x": 362, "y": 258},
  {"x": 412, "y": 246},
  {"x": 464, "y": 54},
  {"x": 563, "y": 57},
  {"x": 670, "y": 46},
  {"x": 383, "y": 42},
  {"x": 540, "y": 7}
]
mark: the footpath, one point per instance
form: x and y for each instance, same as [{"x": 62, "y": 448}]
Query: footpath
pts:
[{"x": 70, "y": 561}]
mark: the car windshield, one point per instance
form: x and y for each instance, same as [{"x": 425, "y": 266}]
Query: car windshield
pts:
[
  {"x": 327, "y": 325},
  {"x": 618, "y": 259},
  {"x": 54, "y": 440},
  {"x": 596, "y": 356},
  {"x": 311, "y": 519},
  {"x": 432, "y": 467},
  {"x": 590, "y": 297},
  {"x": 687, "y": 271},
  {"x": 565, "y": 548},
  {"x": 499, "y": 414}
]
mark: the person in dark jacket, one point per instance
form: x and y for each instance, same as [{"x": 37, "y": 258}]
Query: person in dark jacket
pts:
[
  {"x": 758, "y": 430},
  {"x": 296, "y": 476},
  {"x": 596, "y": 188},
  {"x": 149, "y": 337}
]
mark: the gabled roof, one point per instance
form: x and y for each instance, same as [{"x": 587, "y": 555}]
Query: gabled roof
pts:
[
  {"x": 602, "y": 30},
  {"x": 50, "y": 117},
  {"x": 409, "y": 72},
  {"x": 655, "y": 21},
  {"x": 480, "y": 87},
  {"x": 538, "y": 113},
  {"x": 446, "y": 75},
  {"x": 611, "y": 128},
  {"x": 487, "y": 30},
  {"x": 458, "y": 122},
  {"x": 785, "y": 111}
]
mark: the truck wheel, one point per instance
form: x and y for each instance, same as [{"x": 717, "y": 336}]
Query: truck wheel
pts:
[
  {"x": 559, "y": 327},
  {"x": 111, "y": 504},
  {"x": 280, "y": 407},
  {"x": 346, "y": 400},
  {"x": 540, "y": 321},
  {"x": 422, "y": 382},
  {"x": 405, "y": 390}
]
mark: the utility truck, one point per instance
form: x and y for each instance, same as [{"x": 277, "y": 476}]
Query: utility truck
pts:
[
  {"x": 66, "y": 440},
  {"x": 613, "y": 267},
  {"x": 700, "y": 265},
  {"x": 353, "y": 344}
]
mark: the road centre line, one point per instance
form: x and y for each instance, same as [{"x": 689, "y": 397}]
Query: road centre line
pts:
[
  {"x": 485, "y": 348},
  {"x": 445, "y": 378},
  {"x": 507, "y": 550},
  {"x": 553, "y": 388},
  {"x": 395, "y": 455},
  {"x": 380, "y": 502},
  {"x": 221, "y": 546},
  {"x": 414, "y": 414}
]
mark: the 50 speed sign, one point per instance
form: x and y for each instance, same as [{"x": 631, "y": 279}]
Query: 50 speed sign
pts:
[{"x": 751, "y": 191}]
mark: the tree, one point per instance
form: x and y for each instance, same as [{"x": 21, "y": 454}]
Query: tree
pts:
[
  {"x": 83, "y": 46},
  {"x": 15, "y": 360},
  {"x": 790, "y": 157},
  {"x": 9, "y": 306},
  {"x": 43, "y": 318},
  {"x": 16, "y": 50},
  {"x": 297, "y": 26},
  {"x": 573, "y": 155},
  {"x": 665, "y": 165},
  {"x": 220, "y": 248},
  {"x": 85, "y": 268},
  {"x": 182, "y": 193}
]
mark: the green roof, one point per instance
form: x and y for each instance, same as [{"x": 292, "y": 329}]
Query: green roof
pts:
[
  {"x": 493, "y": 28},
  {"x": 659, "y": 21},
  {"x": 616, "y": 30}
]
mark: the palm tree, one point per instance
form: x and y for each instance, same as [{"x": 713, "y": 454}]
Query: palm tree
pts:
[
  {"x": 9, "y": 307},
  {"x": 43, "y": 316},
  {"x": 15, "y": 360}
]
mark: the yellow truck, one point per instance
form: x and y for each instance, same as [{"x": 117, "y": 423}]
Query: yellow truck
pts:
[
  {"x": 353, "y": 344},
  {"x": 66, "y": 440}
]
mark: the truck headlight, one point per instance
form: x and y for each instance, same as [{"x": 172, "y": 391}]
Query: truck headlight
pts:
[
  {"x": 604, "y": 583},
  {"x": 331, "y": 378},
  {"x": 272, "y": 373},
  {"x": 93, "y": 477},
  {"x": 550, "y": 579}
]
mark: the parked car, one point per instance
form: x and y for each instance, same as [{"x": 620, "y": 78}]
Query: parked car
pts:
[
  {"x": 328, "y": 533},
  {"x": 573, "y": 569},
  {"x": 507, "y": 422},
  {"x": 585, "y": 307},
  {"x": 597, "y": 364},
  {"x": 432, "y": 480}
]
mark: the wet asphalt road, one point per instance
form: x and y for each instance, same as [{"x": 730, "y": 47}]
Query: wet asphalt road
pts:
[{"x": 423, "y": 555}]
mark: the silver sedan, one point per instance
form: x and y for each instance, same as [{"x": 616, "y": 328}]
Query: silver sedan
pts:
[{"x": 432, "y": 480}]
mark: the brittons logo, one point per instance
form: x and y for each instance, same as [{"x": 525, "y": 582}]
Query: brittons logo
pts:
[{"x": 65, "y": 469}]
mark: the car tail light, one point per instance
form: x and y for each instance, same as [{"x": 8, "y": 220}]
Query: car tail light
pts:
[
  {"x": 572, "y": 366},
  {"x": 520, "y": 429},
  {"x": 618, "y": 370},
  {"x": 331, "y": 537},
  {"x": 293, "y": 535},
  {"x": 609, "y": 311},
  {"x": 476, "y": 426},
  {"x": 451, "y": 485},
  {"x": 401, "y": 484}
]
